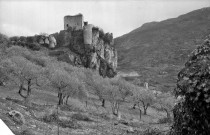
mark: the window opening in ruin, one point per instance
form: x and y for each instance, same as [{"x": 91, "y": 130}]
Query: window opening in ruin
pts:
[{"x": 67, "y": 25}]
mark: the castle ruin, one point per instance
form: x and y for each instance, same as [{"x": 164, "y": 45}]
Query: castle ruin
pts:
[
  {"x": 93, "y": 45},
  {"x": 75, "y": 22},
  {"x": 80, "y": 44}
]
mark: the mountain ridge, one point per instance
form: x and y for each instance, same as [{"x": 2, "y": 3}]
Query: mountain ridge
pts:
[{"x": 162, "y": 46}]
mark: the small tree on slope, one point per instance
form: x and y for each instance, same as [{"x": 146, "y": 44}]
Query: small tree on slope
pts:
[
  {"x": 24, "y": 73},
  {"x": 66, "y": 84},
  {"x": 144, "y": 98}
]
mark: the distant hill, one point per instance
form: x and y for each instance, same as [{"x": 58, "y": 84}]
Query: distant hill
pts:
[{"x": 158, "y": 50}]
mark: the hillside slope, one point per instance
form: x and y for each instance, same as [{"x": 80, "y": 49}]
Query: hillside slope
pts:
[{"x": 157, "y": 50}]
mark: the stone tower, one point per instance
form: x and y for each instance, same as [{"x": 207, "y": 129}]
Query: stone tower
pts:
[
  {"x": 76, "y": 22},
  {"x": 87, "y": 33}
]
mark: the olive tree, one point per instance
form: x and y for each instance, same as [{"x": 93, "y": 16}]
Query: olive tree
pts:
[
  {"x": 166, "y": 102},
  {"x": 96, "y": 85},
  {"x": 143, "y": 98},
  {"x": 24, "y": 73},
  {"x": 66, "y": 84},
  {"x": 117, "y": 92}
]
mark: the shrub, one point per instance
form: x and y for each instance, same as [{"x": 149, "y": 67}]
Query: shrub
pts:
[
  {"x": 37, "y": 60},
  {"x": 53, "y": 118},
  {"x": 22, "y": 38},
  {"x": 191, "y": 114},
  {"x": 164, "y": 120},
  {"x": 108, "y": 38},
  {"x": 3, "y": 38},
  {"x": 152, "y": 131},
  {"x": 95, "y": 28},
  {"x": 101, "y": 33},
  {"x": 69, "y": 124},
  {"x": 80, "y": 117},
  {"x": 50, "y": 118},
  {"x": 14, "y": 38},
  {"x": 33, "y": 46}
]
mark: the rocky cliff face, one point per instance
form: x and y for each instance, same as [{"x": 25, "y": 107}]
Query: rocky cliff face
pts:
[{"x": 98, "y": 54}]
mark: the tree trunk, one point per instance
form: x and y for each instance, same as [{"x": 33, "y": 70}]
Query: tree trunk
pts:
[
  {"x": 140, "y": 113},
  {"x": 27, "y": 95},
  {"x": 114, "y": 108},
  {"x": 139, "y": 110},
  {"x": 168, "y": 114},
  {"x": 145, "y": 107},
  {"x": 145, "y": 111},
  {"x": 134, "y": 106},
  {"x": 103, "y": 103},
  {"x": 67, "y": 98},
  {"x": 28, "y": 92},
  {"x": 60, "y": 99},
  {"x": 29, "y": 88},
  {"x": 117, "y": 108},
  {"x": 86, "y": 103}
]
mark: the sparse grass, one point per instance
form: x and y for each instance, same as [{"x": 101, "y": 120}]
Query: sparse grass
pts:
[
  {"x": 26, "y": 132},
  {"x": 48, "y": 118},
  {"x": 80, "y": 121}
]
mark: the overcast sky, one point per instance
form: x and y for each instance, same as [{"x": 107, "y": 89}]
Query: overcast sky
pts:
[{"x": 21, "y": 17}]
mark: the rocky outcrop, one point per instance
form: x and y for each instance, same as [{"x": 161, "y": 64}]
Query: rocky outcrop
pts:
[
  {"x": 35, "y": 42},
  {"x": 52, "y": 41},
  {"x": 91, "y": 49},
  {"x": 17, "y": 117}
]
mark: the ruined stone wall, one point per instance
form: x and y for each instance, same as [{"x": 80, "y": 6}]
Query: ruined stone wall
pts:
[{"x": 74, "y": 22}]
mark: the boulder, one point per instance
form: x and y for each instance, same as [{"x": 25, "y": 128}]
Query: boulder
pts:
[
  {"x": 2, "y": 83},
  {"x": 46, "y": 41},
  {"x": 52, "y": 41},
  {"x": 17, "y": 117},
  {"x": 41, "y": 41}
]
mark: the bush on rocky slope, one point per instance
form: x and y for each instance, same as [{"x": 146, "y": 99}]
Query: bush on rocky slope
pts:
[{"x": 191, "y": 114}]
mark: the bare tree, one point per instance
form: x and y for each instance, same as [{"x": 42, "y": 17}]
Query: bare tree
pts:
[
  {"x": 117, "y": 93},
  {"x": 143, "y": 98},
  {"x": 166, "y": 102}
]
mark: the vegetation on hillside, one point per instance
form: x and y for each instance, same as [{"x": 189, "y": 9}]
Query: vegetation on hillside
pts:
[
  {"x": 28, "y": 71},
  {"x": 158, "y": 50}
]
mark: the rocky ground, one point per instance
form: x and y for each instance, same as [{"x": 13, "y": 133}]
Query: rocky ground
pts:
[{"x": 43, "y": 116}]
